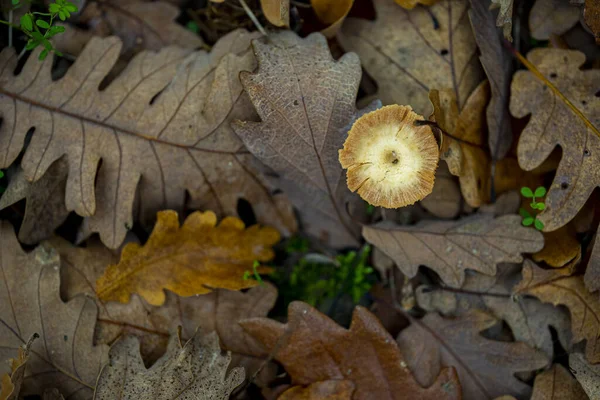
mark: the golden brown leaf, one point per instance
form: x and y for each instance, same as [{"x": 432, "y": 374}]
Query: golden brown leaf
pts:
[
  {"x": 306, "y": 101},
  {"x": 325, "y": 390},
  {"x": 557, "y": 383},
  {"x": 332, "y": 13},
  {"x": 560, "y": 247},
  {"x": 161, "y": 130},
  {"x": 478, "y": 242},
  {"x": 10, "y": 384},
  {"x": 410, "y": 4},
  {"x": 408, "y": 53},
  {"x": 196, "y": 370},
  {"x": 485, "y": 367},
  {"x": 64, "y": 357},
  {"x": 549, "y": 17},
  {"x": 312, "y": 348},
  {"x": 587, "y": 374},
  {"x": 556, "y": 288},
  {"x": 276, "y": 12},
  {"x": 591, "y": 14},
  {"x": 192, "y": 259},
  {"x": 556, "y": 123},
  {"x": 463, "y": 149}
]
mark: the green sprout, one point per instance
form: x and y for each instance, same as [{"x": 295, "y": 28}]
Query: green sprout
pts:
[
  {"x": 38, "y": 26},
  {"x": 529, "y": 219},
  {"x": 296, "y": 244},
  {"x": 248, "y": 275}
]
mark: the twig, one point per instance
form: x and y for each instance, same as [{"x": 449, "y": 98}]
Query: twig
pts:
[{"x": 253, "y": 18}]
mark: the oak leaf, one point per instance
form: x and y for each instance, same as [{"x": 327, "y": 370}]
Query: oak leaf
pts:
[
  {"x": 560, "y": 247},
  {"x": 411, "y": 52},
  {"x": 592, "y": 272},
  {"x": 52, "y": 394},
  {"x": 548, "y": 17},
  {"x": 528, "y": 318},
  {"x": 192, "y": 259},
  {"x": 485, "y": 367},
  {"x": 462, "y": 143},
  {"x": 325, "y": 390},
  {"x": 504, "y": 19},
  {"x": 161, "y": 128},
  {"x": 478, "y": 242},
  {"x": 445, "y": 200},
  {"x": 587, "y": 374},
  {"x": 498, "y": 65},
  {"x": 591, "y": 15},
  {"x": 195, "y": 370},
  {"x": 557, "y": 383},
  {"x": 306, "y": 101},
  {"x": 554, "y": 123},
  {"x": 276, "y": 12},
  {"x": 45, "y": 201},
  {"x": 557, "y": 288},
  {"x": 10, "y": 384},
  {"x": 312, "y": 348},
  {"x": 332, "y": 13},
  {"x": 30, "y": 302}
]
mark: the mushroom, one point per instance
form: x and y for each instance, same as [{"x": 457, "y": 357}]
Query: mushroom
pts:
[{"x": 391, "y": 162}]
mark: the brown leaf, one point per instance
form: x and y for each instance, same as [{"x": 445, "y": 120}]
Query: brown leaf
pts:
[
  {"x": 485, "y": 367},
  {"x": 462, "y": 146},
  {"x": 409, "y": 53},
  {"x": 52, "y": 394},
  {"x": 556, "y": 288},
  {"x": 330, "y": 390},
  {"x": 306, "y": 101},
  {"x": 477, "y": 242},
  {"x": 592, "y": 272},
  {"x": 549, "y": 17},
  {"x": 445, "y": 199},
  {"x": 141, "y": 25},
  {"x": 528, "y": 318},
  {"x": 588, "y": 375},
  {"x": 560, "y": 247},
  {"x": 591, "y": 15},
  {"x": 276, "y": 12},
  {"x": 557, "y": 383},
  {"x": 332, "y": 13},
  {"x": 64, "y": 356},
  {"x": 161, "y": 129},
  {"x": 313, "y": 348},
  {"x": 554, "y": 123},
  {"x": 10, "y": 384},
  {"x": 504, "y": 16},
  {"x": 410, "y": 4},
  {"x": 192, "y": 259},
  {"x": 498, "y": 65},
  {"x": 45, "y": 210},
  {"x": 197, "y": 370}
]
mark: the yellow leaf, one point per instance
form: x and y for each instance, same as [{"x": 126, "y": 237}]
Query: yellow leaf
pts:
[
  {"x": 410, "y": 4},
  {"x": 276, "y": 11},
  {"x": 192, "y": 259},
  {"x": 332, "y": 13}
]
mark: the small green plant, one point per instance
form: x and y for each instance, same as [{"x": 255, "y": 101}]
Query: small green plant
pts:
[
  {"x": 296, "y": 244},
  {"x": 529, "y": 219},
  {"x": 248, "y": 275},
  {"x": 38, "y": 26}
]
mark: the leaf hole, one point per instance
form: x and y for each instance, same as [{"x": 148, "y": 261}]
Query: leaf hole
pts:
[
  {"x": 587, "y": 152},
  {"x": 597, "y": 94},
  {"x": 246, "y": 212},
  {"x": 553, "y": 75},
  {"x": 564, "y": 185},
  {"x": 444, "y": 52}
]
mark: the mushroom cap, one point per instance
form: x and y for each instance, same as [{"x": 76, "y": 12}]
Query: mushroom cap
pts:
[{"x": 391, "y": 162}]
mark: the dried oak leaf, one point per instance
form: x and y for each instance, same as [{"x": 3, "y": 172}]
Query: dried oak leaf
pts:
[
  {"x": 45, "y": 208},
  {"x": 276, "y": 12},
  {"x": 195, "y": 371},
  {"x": 332, "y": 13},
  {"x": 411, "y": 52},
  {"x": 478, "y": 242},
  {"x": 192, "y": 259},
  {"x": 592, "y": 272},
  {"x": 504, "y": 16},
  {"x": 160, "y": 129},
  {"x": 557, "y": 383},
  {"x": 591, "y": 15},
  {"x": 325, "y": 390},
  {"x": 463, "y": 149},
  {"x": 141, "y": 25},
  {"x": 587, "y": 374},
  {"x": 485, "y": 367},
  {"x": 528, "y": 318},
  {"x": 560, "y": 247},
  {"x": 217, "y": 311},
  {"x": 498, "y": 65},
  {"x": 553, "y": 286},
  {"x": 10, "y": 384},
  {"x": 445, "y": 200},
  {"x": 52, "y": 394},
  {"x": 306, "y": 101},
  {"x": 554, "y": 123},
  {"x": 312, "y": 348},
  {"x": 30, "y": 302},
  {"x": 548, "y": 17}
]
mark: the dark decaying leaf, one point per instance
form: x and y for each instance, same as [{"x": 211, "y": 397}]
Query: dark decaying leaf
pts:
[
  {"x": 477, "y": 242},
  {"x": 161, "y": 129},
  {"x": 306, "y": 101},
  {"x": 408, "y": 53},
  {"x": 64, "y": 356},
  {"x": 196, "y": 370},
  {"x": 485, "y": 367},
  {"x": 592, "y": 272},
  {"x": 554, "y": 123},
  {"x": 313, "y": 348}
]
